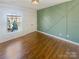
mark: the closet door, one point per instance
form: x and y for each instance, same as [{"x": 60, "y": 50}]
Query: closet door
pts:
[
  {"x": 53, "y": 20},
  {"x": 73, "y": 21},
  {"x": 58, "y": 24}
]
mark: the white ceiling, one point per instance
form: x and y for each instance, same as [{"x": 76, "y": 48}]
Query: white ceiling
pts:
[{"x": 27, "y": 3}]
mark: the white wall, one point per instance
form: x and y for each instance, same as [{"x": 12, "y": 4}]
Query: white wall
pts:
[{"x": 29, "y": 21}]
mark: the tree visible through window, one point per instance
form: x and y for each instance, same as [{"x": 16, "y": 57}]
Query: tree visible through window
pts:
[{"x": 14, "y": 23}]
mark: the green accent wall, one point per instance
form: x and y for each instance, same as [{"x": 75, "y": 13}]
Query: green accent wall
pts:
[{"x": 60, "y": 20}]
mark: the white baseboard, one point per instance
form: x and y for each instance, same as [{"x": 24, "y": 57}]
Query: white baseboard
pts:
[{"x": 60, "y": 38}]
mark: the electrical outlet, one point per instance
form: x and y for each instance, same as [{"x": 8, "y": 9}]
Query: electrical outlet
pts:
[
  {"x": 60, "y": 34},
  {"x": 68, "y": 36}
]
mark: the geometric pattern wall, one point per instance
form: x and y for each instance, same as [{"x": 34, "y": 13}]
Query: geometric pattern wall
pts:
[{"x": 61, "y": 20}]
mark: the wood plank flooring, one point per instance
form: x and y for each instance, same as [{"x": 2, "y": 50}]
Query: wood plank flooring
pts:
[{"x": 38, "y": 46}]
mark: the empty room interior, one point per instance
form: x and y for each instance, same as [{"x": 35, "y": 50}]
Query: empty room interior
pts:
[{"x": 39, "y": 29}]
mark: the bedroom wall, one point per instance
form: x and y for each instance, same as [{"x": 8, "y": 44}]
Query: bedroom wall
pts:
[
  {"x": 29, "y": 21},
  {"x": 60, "y": 20}
]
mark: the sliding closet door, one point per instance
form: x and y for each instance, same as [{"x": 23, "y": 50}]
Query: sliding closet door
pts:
[
  {"x": 61, "y": 20},
  {"x": 52, "y": 20},
  {"x": 58, "y": 24},
  {"x": 73, "y": 20}
]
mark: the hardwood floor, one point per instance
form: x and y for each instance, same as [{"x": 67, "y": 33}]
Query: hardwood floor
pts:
[{"x": 38, "y": 46}]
